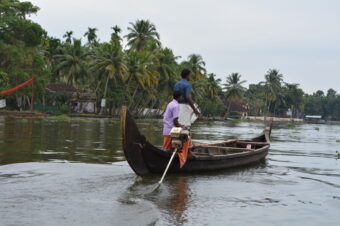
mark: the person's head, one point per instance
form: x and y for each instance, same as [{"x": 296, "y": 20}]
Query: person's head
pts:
[
  {"x": 177, "y": 95},
  {"x": 185, "y": 74}
]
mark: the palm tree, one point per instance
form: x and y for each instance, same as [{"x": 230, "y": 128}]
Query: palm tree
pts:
[
  {"x": 293, "y": 97},
  {"x": 233, "y": 88},
  {"x": 115, "y": 35},
  {"x": 71, "y": 64},
  {"x": 50, "y": 47},
  {"x": 213, "y": 86},
  {"x": 109, "y": 63},
  {"x": 196, "y": 65},
  {"x": 273, "y": 87},
  {"x": 142, "y": 76},
  {"x": 68, "y": 36},
  {"x": 166, "y": 67},
  {"x": 91, "y": 35},
  {"x": 141, "y": 33}
]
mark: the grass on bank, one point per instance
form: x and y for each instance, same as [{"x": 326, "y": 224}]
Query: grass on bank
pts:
[{"x": 290, "y": 125}]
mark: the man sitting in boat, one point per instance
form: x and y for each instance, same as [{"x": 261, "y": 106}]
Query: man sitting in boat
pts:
[
  {"x": 170, "y": 120},
  {"x": 188, "y": 111}
]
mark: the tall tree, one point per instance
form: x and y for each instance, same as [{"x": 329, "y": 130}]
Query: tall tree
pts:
[
  {"x": 331, "y": 93},
  {"x": 72, "y": 65},
  {"x": 109, "y": 63},
  {"x": 234, "y": 89},
  {"x": 213, "y": 86},
  {"x": 20, "y": 39},
  {"x": 273, "y": 87},
  {"x": 68, "y": 36},
  {"x": 293, "y": 98},
  {"x": 142, "y": 76},
  {"x": 196, "y": 65},
  {"x": 115, "y": 36},
  {"x": 91, "y": 35},
  {"x": 166, "y": 67},
  {"x": 141, "y": 33}
]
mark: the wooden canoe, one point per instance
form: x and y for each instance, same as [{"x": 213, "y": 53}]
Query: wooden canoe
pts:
[{"x": 144, "y": 158}]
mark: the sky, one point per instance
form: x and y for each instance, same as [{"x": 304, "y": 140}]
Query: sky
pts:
[{"x": 300, "y": 38}]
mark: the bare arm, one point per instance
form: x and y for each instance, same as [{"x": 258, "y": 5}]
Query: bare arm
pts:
[
  {"x": 192, "y": 105},
  {"x": 177, "y": 124}
]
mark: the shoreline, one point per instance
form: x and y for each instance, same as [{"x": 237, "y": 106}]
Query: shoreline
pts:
[{"x": 29, "y": 114}]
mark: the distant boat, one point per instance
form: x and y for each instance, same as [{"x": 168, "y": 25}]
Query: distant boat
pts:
[
  {"x": 314, "y": 119},
  {"x": 144, "y": 158}
]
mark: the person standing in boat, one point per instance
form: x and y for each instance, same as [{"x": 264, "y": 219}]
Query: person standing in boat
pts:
[
  {"x": 170, "y": 120},
  {"x": 188, "y": 112}
]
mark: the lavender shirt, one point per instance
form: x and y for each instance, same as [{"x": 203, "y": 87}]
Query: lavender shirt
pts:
[{"x": 171, "y": 113}]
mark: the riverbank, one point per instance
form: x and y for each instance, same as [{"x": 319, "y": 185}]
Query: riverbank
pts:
[
  {"x": 87, "y": 115},
  {"x": 22, "y": 113},
  {"x": 275, "y": 119}
]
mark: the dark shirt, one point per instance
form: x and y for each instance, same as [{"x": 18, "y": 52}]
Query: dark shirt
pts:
[{"x": 185, "y": 87}]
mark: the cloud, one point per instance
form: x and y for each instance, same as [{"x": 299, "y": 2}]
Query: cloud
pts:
[{"x": 301, "y": 38}]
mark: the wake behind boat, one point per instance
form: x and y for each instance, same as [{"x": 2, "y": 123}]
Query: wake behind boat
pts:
[{"x": 144, "y": 158}]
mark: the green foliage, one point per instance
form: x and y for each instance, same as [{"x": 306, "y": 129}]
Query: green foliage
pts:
[
  {"x": 65, "y": 109},
  {"x": 235, "y": 113},
  {"x": 3, "y": 80},
  {"x": 91, "y": 35},
  {"x": 290, "y": 125},
  {"x": 57, "y": 99},
  {"x": 142, "y": 75},
  {"x": 141, "y": 33},
  {"x": 233, "y": 87},
  {"x": 213, "y": 107},
  {"x": 20, "y": 55},
  {"x": 71, "y": 64}
]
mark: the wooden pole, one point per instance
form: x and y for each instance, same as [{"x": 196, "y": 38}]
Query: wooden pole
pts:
[{"x": 167, "y": 167}]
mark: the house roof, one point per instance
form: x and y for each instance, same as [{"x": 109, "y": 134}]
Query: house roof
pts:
[{"x": 61, "y": 87}]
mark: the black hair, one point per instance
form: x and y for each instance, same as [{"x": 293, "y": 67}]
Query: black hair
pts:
[
  {"x": 177, "y": 94},
  {"x": 185, "y": 73}
]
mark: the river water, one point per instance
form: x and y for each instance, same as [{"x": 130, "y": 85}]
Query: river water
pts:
[{"x": 56, "y": 171}]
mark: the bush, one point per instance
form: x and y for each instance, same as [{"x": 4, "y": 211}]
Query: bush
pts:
[{"x": 65, "y": 109}]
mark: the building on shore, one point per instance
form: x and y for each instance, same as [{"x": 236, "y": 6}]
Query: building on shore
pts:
[{"x": 81, "y": 101}]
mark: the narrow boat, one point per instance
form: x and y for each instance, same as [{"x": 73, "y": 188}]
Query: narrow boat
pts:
[{"x": 144, "y": 158}]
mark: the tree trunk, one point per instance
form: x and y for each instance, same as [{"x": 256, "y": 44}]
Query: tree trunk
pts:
[
  {"x": 136, "y": 109},
  {"x": 228, "y": 109},
  {"x": 104, "y": 97},
  {"x": 133, "y": 98},
  {"x": 44, "y": 103},
  {"x": 139, "y": 107}
]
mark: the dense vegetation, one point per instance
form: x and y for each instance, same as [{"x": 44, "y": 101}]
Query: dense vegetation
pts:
[{"x": 139, "y": 75}]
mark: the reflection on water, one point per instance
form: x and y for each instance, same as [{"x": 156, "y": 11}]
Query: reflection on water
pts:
[{"x": 298, "y": 183}]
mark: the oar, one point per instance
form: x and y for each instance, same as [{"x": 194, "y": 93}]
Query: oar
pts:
[{"x": 167, "y": 167}]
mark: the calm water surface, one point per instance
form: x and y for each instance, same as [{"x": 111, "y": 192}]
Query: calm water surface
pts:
[{"x": 72, "y": 172}]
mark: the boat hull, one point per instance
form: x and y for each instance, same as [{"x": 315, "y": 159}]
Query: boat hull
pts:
[
  {"x": 156, "y": 161},
  {"x": 144, "y": 158}
]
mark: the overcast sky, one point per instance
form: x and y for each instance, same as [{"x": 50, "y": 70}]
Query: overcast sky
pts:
[{"x": 301, "y": 38}]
